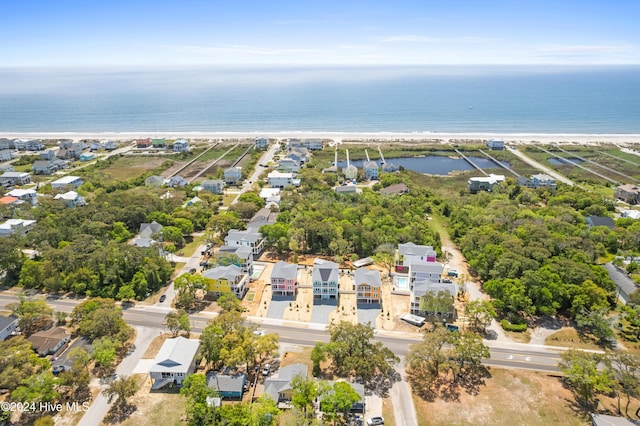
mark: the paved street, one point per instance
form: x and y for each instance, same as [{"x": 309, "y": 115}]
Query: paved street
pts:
[{"x": 625, "y": 285}]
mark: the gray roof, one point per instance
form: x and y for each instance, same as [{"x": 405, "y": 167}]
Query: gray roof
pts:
[
  {"x": 226, "y": 382},
  {"x": 242, "y": 252},
  {"x": 7, "y": 321},
  {"x": 274, "y": 385},
  {"x": 229, "y": 273},
  {"x": 395, "y": 189},
  {"x": 287, "y": 271},
  {"x": 236, "y": 235},
  {"x": 414, "y": 249},
  {"x": 367, "y": 276},
  {"x": 175, "y": 355},
  {"x": 600, "y": 221},
  {"x": 148, "y": 229},
  {"x": 423, "y": 286},
  {"x": 370, "y": 165},
  {"x": 41, "y": 163},
  {"x": 427, "y": 267},
  {"x": 325, "y": 270}
]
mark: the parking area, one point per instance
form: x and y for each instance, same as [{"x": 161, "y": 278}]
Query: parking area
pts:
[
  {"x": 278, "y": 305},
  {"x": 322, "y": 309},
  {"x": 368, "y": 313},
  {"x": 63, "y": 358}
]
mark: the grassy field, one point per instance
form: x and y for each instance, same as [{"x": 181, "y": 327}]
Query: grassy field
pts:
[
  {"x": 127, "y": 167},
  {"x": 569, "y": 338},
  {"x": 509, "y": 397}
]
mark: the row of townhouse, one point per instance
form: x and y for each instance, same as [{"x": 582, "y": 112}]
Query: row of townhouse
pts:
[{"x": 180, "y": 145}]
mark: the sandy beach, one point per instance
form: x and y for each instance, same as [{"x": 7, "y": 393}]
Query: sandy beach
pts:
[{"x": 346, "y": 137}]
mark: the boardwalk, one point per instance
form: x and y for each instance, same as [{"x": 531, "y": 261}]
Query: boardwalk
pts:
[
  {"x": 499, "y": 163},
  {"x": 471, "y": 162},
  {"x": 541, "y": 167}
]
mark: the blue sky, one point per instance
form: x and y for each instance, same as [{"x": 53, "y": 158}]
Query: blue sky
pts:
[{"x": 176, "y": 33}]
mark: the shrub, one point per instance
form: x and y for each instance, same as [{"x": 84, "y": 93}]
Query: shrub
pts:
[{"x": 518, "y": 328}]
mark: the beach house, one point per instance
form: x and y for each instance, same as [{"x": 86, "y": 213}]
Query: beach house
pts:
[
  {"x": 484, "y": 183},
  {"x": 370, "y": 170},
  {"x": 284, "y": 279},
  {"x": 16, "y": 226},
  {"x": 541, "y": 179},
  {"x": 239, "y": 256},
  {"x": 28, "y": 144},
  {"x": 325, "y": 278},
  {"x": 281, "y": 180},
  {"x": 233, "y": 175},
  {"x": 71, "y": 199},
  {"x": 424, "y": 286},
  {"x": 67, "y": 181},
  {"x": 6, "y": 154},
  {"x": 368, "y": 285},
  {"x": 288, "y": 165},
  {"x": 251, "y": 239},
  {"x": 214, "y": 186},
  {"x": 261, "y": 143},
  {"x": 628, "y": 193},
  {"x": 175, "y": 361},
  {"x": 15, "y": 178},
  {"x": 279, "y": 387},
  {"x": 181, "y": 145},
  {"x": 225, "y": 279},
  {"x": 495, "y": 144},
  {"x": 24, "y": 195},
  {"x": 47, "y": 167}
]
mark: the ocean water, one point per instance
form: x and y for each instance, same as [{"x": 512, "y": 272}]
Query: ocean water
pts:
[{"x": 484, "y": 100}]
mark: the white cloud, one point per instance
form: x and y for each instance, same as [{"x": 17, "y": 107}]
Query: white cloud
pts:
[
  {"x": 414, "y": 38},
  {"x": 582, "y": 49}
]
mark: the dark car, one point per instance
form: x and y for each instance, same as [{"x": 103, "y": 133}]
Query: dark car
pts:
[
  {"x": 192, "y": 271},
  {"x": 163, "y": 298}
]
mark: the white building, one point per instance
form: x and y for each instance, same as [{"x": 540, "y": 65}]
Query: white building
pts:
[
  {"x": 67, "y": 180},
  {"x": 181, "y": 145},
  {"x": 16, "y": 226},
  {"x": 71, "y": 199},
  {"x": 484, "y": 183},
  {"x": 254, "y": 240},
  {"x": 26, "y": 195},
  {"x": 281, "y": 180},
  {"x": 175, "y": 361}
]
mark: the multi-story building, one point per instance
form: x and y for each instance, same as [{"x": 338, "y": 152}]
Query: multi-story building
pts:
[{"x": 325, "y": 277}]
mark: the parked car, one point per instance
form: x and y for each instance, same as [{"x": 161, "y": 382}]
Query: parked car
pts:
[
  {"x": 447, "y": 281},
  {"x": 163, "y": 298},
  {"x": 259, "y": 332},
  {"x": 192, "y": 271},
  {"x": 266, "y": 369},
  {"x": 57, "y": 369},
  {"x": 375, "y": 421},
  {"x": 452, "y": 273}
]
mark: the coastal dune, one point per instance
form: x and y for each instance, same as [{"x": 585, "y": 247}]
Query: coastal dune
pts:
[{"x": 340, "y": 137}]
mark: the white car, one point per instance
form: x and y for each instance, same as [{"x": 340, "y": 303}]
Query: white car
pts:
[
  {"x": 266, "y": 369},
  {"x": 375, "y": 421}
]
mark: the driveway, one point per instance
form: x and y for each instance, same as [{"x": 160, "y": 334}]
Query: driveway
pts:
[
  {"x": 368, "y": 312},
  {"x": 321, "y": 310},
  {"x": 81, "y": 342},
  {"x": 278, "y": 305},
  {"x": 403, "y": 409},
  {"x": 625, "y": 285}
]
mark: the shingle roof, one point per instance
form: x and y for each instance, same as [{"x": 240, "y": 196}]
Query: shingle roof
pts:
[
  {"x": 288, "y": 271},
  {"x": 414, "y": 249},
  {"x": 274, "y": 385},
  {"x": 6, "y": 321},
  {"x": 229, "y": 273},
  {"x": 423, "y": 286},
  {"x": 367, "y": 276},
  {"x": 324, "y": 270},
  {"x": 226, "y": 382}
]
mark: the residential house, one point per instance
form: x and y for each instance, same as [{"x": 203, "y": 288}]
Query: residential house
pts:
[
  {"x": 237, "y": 238},
  {"x": 87, "y": 156},
  {"x": 181, "y": 145},
  {"x": 48, "y": 167},
  {"x": 225, "y": 279},
  {"x": 600, "y": 221},
  {"x": 11, "y": 226},
  {"x": 149, "y": 230},
  {"x": 195, "y": 200},
  {"x": 158, "y": 143},
  {"x": 314, "y": 144},
  {"x": 71, "y": 199},
  {"x": 264, "y": 216},
  {"x": 271, "y": 196},
  {"x": 72, "y": 151},
  {"x": 6, "y": 143},
  {"x": 228, "y": 386},
  {"x": 542, "y": 179},
  {"x": 109, "y": 145},
  {"x": 239, "y": 256},
  {"x": 176, "y": 181},
  {"x": 143, "y": 143},
  {"x": 261, "y": 143},
  {"x": 74, "y": 181},
  {"x": 8, "y": 325},
  {"x": 154, "y": 181},
  {"x": 370, "y": 170},
  {"x": 484, "y": 183},
  {"x": 48, "y": 155},
  {"x": 94, "y": 146},
  {"x": 213, "y": 186},
  {"x": 495, "y": 144},
  {"x": 28, "y": 145},
  {"x": 288, "y": 165},
  {"x": 49, "y": 342},
  {"x": 525, "y": 181},
  {"x": 6, "y": 154},
  {"x": 350, "y": 172},
  {"x": 281, "y": 180},
  {"x": 413, "y": 253},
  {"x": 25, "y": 195},
  {"x": 631, "y": 214},
  {"x": 325, "y": 279},
  {"x": 279, "y": 386},
  {"x": 389, "y": 167},
  {"x": 299, "y": 155},
  {"x": 397, "y": 189},
  {"x": 7, "y": 201},
  {"x": 233, "y": 175},
  {"x": 15, "y": 178},
  {"x": 6, "y": 168},
  {"x": 284, "y": 279},
  {"x": 368, "y": 285},
  {"x": 347, "y": 189},
  {"x": 431, "y": 271},
  {"x": 62, "y": 154},
  {"x": 421, "y": 287},
  {"x": 175, "y": 361},
  {"x": 629, "y": 193}
]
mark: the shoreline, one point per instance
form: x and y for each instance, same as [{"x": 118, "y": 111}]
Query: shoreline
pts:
[{"x": 516, "y": 138}]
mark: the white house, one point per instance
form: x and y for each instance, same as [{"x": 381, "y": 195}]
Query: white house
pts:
[
  {"x": 67, "y": 180},
  {"x": 213, "y": 186},
  {"x": 281, "y": 180},
  {"x": 16, "y": 225},
  {"x": 288, "y": 165},
  {"x": 15, "y": 178},
  {"x": 495, "y": 144},
  {"x": 71, "y": 199},
  {"x": 175, "y": 361},
  {"x": 271, "y": 196},
  {"x": 542, "y": 179},
  {"x": 254, "y": 240},
  {"x": 26, "y": 195},
  {"x": 8, "y": 325},
  {"x": 484, "y": 183},
  {"x": 181, "y": 145},
  {"x": 6, "y": 154}
]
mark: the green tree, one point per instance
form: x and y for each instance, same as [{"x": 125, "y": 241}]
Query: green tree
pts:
[
  {"x": 186, "y": 286},
  {"x": 18, "y": 361},
  {"x": 33, "y": 315},
  {"x": 480, "y": 313},
  {"x": 211, "y": 343},
  {"x": 437, "y": 302},
  {"x": 304, "y": 392},
  {"x": 175, "y": 322},
  {"x": 264, "y": 411},
  {"x": 40, "y": 387},
  {"x": 126, "y": 292},
  {"x": 100, "y": 317},
  {"x": 385, "y": 255},
  {"x": 119, "y": 390},
  {"x": 229, "y": 302},
  {"x": 198, "y": 411},
  {"x": 583, "y": 375},
  {"x": 103, "y": 351},
  {"x": 318, "y": 355},
  {"x": 625, "y": 368},
  {"x": 596, "y": 323},
  {"x": 235, "y": 414},
  {"x": 337, "y": 401}
]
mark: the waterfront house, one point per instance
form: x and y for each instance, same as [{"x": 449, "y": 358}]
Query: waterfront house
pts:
[
  {"x": 6, "y": 154},
  {"x": 175, "y": 361},
  {"x": 261, "y": 143},
  {"x": 281, "y": 180},
  {"x": 325, "y": 279},
  {"x": 542, "y": 179},
  {"x": 228, "y": 386},
  {"x": 71, "y": 199},
  {"x": 628, "y": 193},
  {"x": 233, "y": 175},
  {"x": 495, "y": 144},
  {"x": 279, "y": 386},
  {"x": 389, "y": 167},
  {"x": 143, "y": 143},
  {"x": 484, "y": 183},
  {"x": 66, "y": 181},
  {"x": 28, "y": 144},
  {"x": 6, "y": 143},
  {"x": 109, "y": 145},
  {"x": 158, "y": 143},
  {"x": 368, "y": 285},
  {"x": 8, "y": 325},
  {"x": 251, "y": 239},
  {"x": 15, "y": 178},
  {"x": 176, "y": 181},
  {"x": 181, "y": 145},
  {"x": 213, "y": 186},
  {"x": 49, "y": 342},
  {"x": 350, "y": 172},
  {"x": 370, "y": 170},
  {"x": 225, "y": 279},
  {"x": 20, "y": 226},
  {"x": 94, "y": 146},
  {"x": 284, "y": 279}
]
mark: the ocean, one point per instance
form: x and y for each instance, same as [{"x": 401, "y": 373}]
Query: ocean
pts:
[{"x": 355, "y": 99}]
